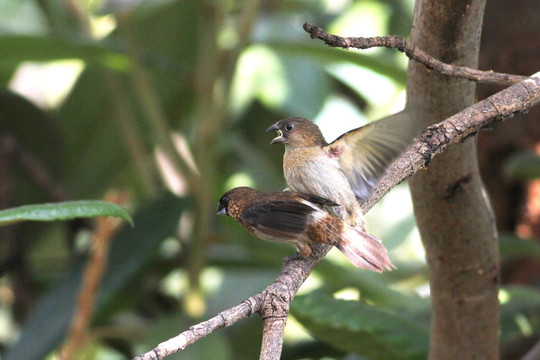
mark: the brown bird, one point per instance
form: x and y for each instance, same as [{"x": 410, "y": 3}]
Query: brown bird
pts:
[
  {"x": 347, "y": 170},
  {"x": 301, "y": 220}
]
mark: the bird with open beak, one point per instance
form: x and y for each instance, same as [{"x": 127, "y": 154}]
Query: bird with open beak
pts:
[
  {"x": 301, "y": 220},
  {"x": 346, "y": 170}
]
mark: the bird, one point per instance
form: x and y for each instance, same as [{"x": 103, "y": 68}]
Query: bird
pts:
[
  {"x": 346, "y": 170},
  {"x": 301, "y": 220}
]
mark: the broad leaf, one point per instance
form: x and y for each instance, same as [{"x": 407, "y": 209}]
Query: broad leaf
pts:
[
  {"x": 375, "y": 288},
  {"x": 511, "y": 247},
  {"x": 523, "y": 165},
  {"x": 130, "y": 252},
  {"x": 520, "y": 313},
  {"x": 354, "y": 326},
  {"x": 63, "y": 211},
  {"x": 19, "y": 48}
]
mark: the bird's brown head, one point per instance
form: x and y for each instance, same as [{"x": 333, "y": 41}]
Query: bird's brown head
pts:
[
  {"x": 233, "y": 201},
  {"x": 297, "y": 132}
]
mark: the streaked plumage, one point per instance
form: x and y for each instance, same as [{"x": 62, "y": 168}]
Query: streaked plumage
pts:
[
  {"x": 347, "y": 170},
  {"x": 301, "y": 219}
]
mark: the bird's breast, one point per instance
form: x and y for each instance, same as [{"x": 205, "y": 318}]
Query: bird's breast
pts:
[{"x": 312, "y": 171}]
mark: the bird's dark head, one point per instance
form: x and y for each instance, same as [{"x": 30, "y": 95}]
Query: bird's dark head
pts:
[
  {"x": 233, "y": 201},
  {"x": 297, "y": 132},
  {"x": 223, "y": 205}
]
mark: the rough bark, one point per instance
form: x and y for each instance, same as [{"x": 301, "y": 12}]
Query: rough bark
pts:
[{"x": 451, "y": 206}]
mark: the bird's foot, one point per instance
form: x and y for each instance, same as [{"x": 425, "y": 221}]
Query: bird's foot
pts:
[
  {"x": 303, "y": 252},
  {"x": 294, "y": 257}
]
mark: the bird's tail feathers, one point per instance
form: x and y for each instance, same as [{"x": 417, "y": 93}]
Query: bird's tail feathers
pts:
[{"x": 364, "y": 250}]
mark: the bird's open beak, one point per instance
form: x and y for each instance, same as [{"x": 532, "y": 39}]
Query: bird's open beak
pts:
[
  {"x": 277, "y": 139},
  {"x": 221, "y": 210}
]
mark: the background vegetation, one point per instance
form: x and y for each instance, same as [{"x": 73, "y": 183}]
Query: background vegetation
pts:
[{"x": 166, "y": 103}]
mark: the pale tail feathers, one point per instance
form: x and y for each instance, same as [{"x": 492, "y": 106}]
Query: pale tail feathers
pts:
[{"x": 364, "y": 250}]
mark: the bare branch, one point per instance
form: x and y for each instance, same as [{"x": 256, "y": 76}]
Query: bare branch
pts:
[
  {"x": 273, "y": 302},
  {"x": 413, "y": 53},
  {"x": 481, "y": 116},
  {"x": 223, "y": 319},
  {"x": 533, "y": 354}
]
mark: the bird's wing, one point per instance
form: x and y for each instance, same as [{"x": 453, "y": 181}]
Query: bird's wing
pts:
[
  {"x": 366, "y": 152},
  {"x": 282, "y": 219},
  {"x": 316, "y": 199}
]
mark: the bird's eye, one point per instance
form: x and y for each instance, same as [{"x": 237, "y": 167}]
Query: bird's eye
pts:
[{"x": 289, "y": 126}]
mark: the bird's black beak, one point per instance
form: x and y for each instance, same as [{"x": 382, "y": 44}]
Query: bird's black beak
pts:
[
  {"x": 277, "y": 139},
  {"x": 221, "y": 210}
]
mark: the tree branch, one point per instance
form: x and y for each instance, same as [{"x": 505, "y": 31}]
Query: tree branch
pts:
[
  {"x": 413, "y": 53},
  {"x": 481, "y": 116},
  {"x": 273, "y": 303},
  {"x": 533, "y": 353},
  {"x": 223, "y": 319}
]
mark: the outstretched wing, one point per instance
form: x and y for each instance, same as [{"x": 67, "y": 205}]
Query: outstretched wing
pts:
[
  {"x": 282, "y": 219},
  {"x": 366, "y": 152}
]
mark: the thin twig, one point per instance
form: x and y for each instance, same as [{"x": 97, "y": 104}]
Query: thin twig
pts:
[
  {"x": 273, "y": 303},
  {"x": 105, "y": 230},
  {"x": 223, "y": 319},
  {"x": 413, "y": 53}
]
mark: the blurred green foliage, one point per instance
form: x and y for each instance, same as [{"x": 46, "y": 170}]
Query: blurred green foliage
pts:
[
  {"x": 156, "y": 98},
  {"x": 523, "y": 165}
]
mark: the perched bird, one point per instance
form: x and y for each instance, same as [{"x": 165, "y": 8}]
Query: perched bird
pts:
[
  {"x": 301, "y": 220},
  {"x": 347, "y": 170}
]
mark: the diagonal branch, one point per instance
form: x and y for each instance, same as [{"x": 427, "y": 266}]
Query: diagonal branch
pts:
[
  {"x": 481, "y": 116},
  {"x": 196, "y": 332},
  {"x": 273, "y": 303},
  {"x": 413, "y": 53}
]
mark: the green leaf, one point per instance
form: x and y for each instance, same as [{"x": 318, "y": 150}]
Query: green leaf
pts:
[
  {"x": 520, "y": 312},
  {"x": 354, "y": 326},
  {"x": 19, "y": 48},
  {"x": 511, "y": 247},
  {"x": 523, "y": 165},
  {"x": 131, "y": 251},
  {"x": 63, "y": 211},
  {"x": 373, "y": 287}
]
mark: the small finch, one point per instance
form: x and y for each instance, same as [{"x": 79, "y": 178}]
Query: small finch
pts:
[
  {"x": 301, "y": 220},
  {"x": 347, "y": 170}
]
